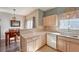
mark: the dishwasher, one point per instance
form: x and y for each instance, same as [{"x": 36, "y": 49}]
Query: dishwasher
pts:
[{"x": 51, "y": 40}]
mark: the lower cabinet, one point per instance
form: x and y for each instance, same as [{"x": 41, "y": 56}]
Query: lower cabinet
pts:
[
  {"x": 67, "y": 44},
  {"x": 38, "y": 43},
  {"x": 61, "y": 44},
  {"x": 74, "y": 47},
  {"x": 32, "y": 44}
]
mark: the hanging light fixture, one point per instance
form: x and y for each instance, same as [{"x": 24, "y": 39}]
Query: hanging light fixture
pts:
[{"x": 14, "y": 17}]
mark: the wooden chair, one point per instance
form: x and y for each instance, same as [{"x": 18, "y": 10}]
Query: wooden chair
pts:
[{"x": 12, "y": 34}]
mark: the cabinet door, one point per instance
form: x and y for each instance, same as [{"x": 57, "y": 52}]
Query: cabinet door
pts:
[
  {"x": 40, "y": 42},
  {"x": 37, "y": 42},
  {"x": 43, "y": 39},
  {"x": 23, "y": 44},
  {"x": 74, "y": 47},
  {"x": 30, "y": 46},
  {"x": 50, "y": 20},
  {"x": 68, "y": 15},
  {"x": 45, "y": 21},
  {"x": 77, "y": 14},
  {"x": 61, "y": 44}
]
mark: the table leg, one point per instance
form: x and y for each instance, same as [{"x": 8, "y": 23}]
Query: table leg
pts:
[{"x": 6, "y": 39}]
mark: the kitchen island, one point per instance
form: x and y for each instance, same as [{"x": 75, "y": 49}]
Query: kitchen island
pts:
[{"x": 32, "y": 41}]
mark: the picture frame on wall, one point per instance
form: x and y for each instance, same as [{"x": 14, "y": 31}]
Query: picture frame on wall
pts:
[{"x": 15, "y": 23}]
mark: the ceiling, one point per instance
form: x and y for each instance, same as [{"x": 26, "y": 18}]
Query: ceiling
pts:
[{"x": 22, "y": 10}]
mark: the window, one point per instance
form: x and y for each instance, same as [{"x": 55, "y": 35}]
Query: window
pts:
[
  {"x": 69, "y": 24},
  {"x": 29, "y": 24}
]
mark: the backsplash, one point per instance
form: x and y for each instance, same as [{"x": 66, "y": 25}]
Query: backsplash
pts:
[
  {"x": 69, "y": 32},
  {"x": 50, "y": 28}
]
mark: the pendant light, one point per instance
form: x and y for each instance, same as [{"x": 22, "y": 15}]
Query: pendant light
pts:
[{"x": 14, "y": 17}]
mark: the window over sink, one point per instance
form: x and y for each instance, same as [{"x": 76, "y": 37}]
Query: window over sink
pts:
[{"x": 72, "y": 24}]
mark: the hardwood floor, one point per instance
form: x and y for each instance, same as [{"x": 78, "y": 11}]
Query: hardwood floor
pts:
[
  {"x": 14, "y": 47},
  {"x": 46, "y": 49}
]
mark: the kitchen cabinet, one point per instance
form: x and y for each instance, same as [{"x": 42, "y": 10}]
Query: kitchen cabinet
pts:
[
  {"x": 50, "y": 20},
  {"x": 32, "y": 44},
  {"x": 38, "y": 43},
  {"x": 69, "y": 15},
  {"x": 67, "y": 44},
  {"x": 41, "y": 41},
  {"x": 23, "y": 44},
  {"x": 74, "y": 47},
  {"x": 61, "y": 44},
  {"x": 77, "y": 14}
]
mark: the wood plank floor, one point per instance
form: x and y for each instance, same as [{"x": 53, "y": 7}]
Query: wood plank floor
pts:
[
  {"x": 46, "y": 48},
  {"x": 14, "y": 47}
]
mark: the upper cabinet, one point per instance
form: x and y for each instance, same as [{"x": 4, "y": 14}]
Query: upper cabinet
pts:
[
  {"x": 69, "y": 15},
  {"x": 77, "y": 14},
  {"x": 50, "y": 20}
]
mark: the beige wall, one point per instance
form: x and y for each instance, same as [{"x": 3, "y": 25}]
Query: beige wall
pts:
[{"x": 38, "y": 14}]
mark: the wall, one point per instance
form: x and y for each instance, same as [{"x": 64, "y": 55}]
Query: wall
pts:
[
  {"x": 59, "y": 10},
  {"x": 38, "y": 14},
  {"x": 5, "y": 22}
]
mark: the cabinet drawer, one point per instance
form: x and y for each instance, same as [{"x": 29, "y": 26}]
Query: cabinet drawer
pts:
[{"x": 35, "y": 38}]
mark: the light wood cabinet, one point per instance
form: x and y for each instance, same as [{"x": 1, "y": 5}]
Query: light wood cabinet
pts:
[
  {"x": 61, "y": 44},
  {"x": 74, "y": 47},
  {"x": 50, "y": 20},
  {"x": 77, "y": 14},
  {"x": 67, "y": 44},
  {"x": 69, "y": 15}
]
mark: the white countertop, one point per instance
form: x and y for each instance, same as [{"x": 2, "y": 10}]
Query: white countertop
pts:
[
  {"x": 36, "y": 33},
  {"x": 33, "y": 34}
]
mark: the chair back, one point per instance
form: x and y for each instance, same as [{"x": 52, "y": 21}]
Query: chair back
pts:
[{"x": 12, "y": 33}]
